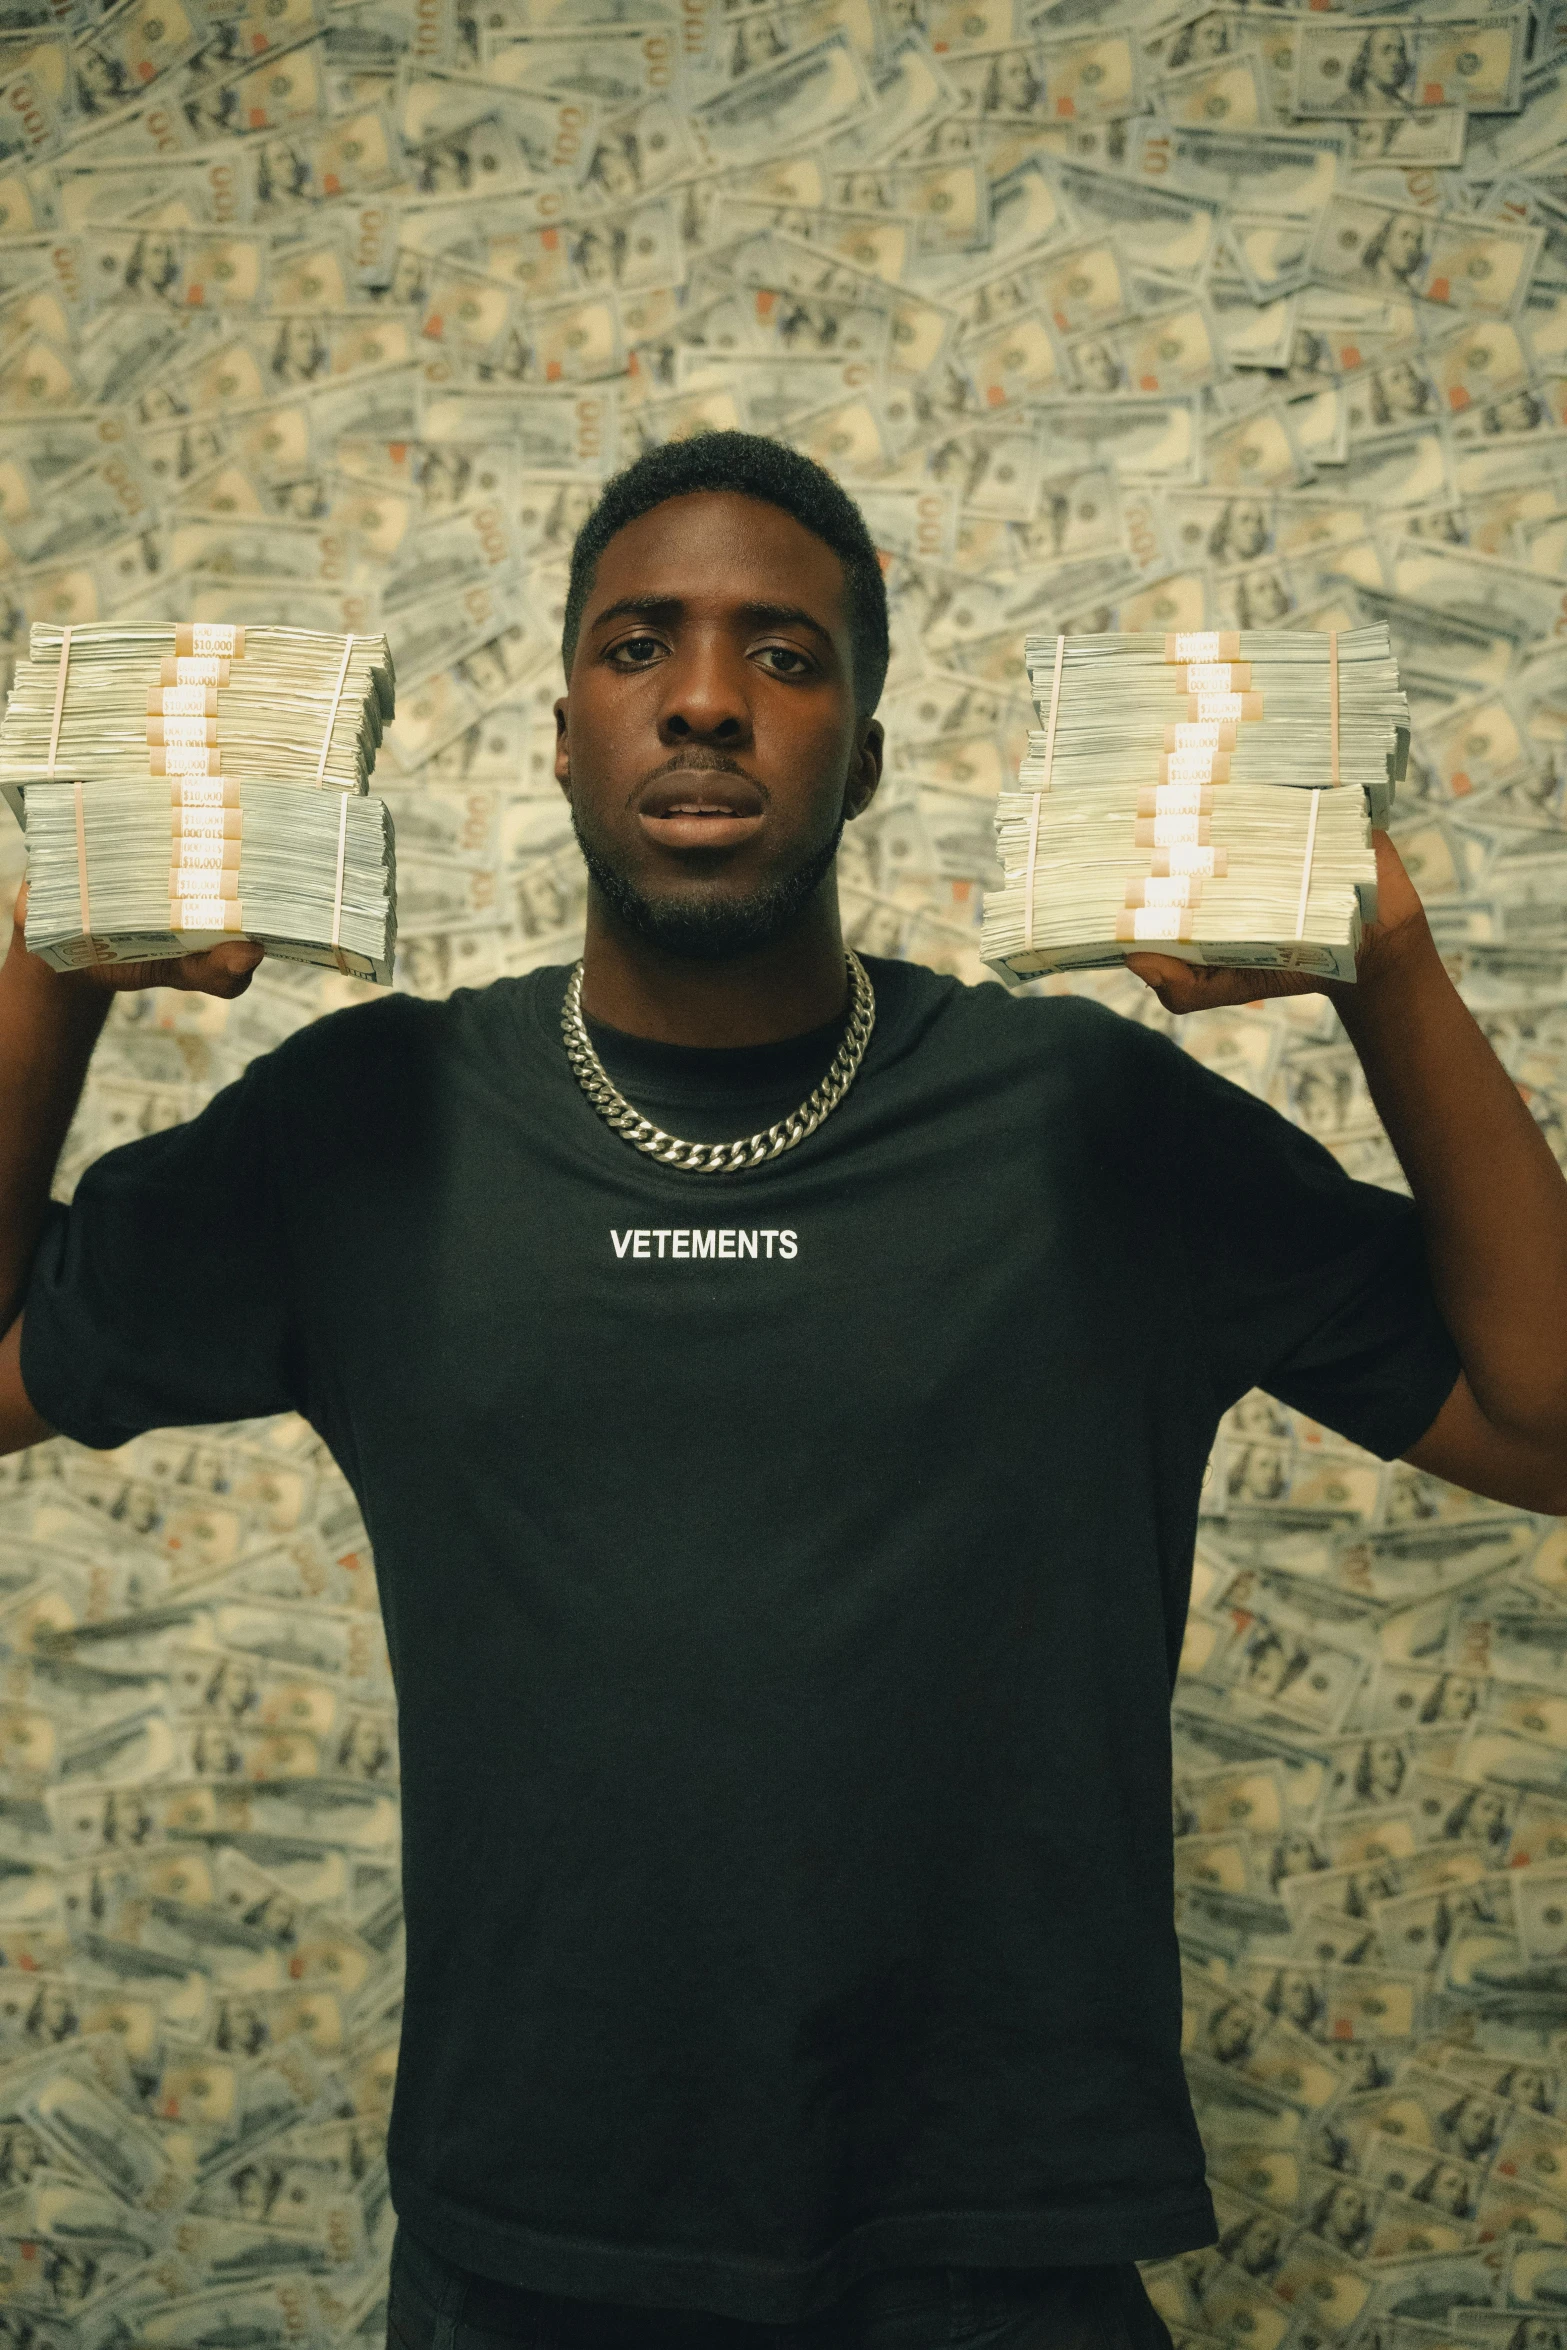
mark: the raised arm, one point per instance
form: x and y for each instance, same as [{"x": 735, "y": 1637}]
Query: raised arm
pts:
[
  {"x": 49, "y": 1024},
  {"x": 1491, "y": 1199}
]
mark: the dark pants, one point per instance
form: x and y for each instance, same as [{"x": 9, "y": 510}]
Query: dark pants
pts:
[{"x": 434, "y": 2306}]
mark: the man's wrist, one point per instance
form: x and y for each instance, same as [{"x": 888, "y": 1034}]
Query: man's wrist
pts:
[
  {"x": 71, "y": 1000},
  {"x": 1394, "y": 967}
]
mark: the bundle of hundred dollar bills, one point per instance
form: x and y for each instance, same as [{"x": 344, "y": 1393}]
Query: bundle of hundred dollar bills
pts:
[
  {"x": 1209, "y": 796},
  {"x": 184, "y": 783}
]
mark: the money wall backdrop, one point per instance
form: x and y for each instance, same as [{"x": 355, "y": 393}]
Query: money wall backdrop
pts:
[{"x": 1110, "y": 319}]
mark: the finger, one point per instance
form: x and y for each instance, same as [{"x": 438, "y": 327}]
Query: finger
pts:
[
  {"x": 1187, "y": 987},
  {"x": 1162, "y": 970},
  {"x": 1196, "y": 987},
  {"x": 221, "y": 971}
]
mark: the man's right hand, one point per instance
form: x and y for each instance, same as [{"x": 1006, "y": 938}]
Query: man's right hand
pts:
[{"x": 223, "y": 970}]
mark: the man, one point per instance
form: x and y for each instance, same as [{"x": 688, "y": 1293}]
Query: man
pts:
[{"x": 784, "y": 1548}]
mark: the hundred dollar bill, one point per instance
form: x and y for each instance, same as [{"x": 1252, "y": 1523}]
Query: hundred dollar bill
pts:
[
  {"x": 1431, "y": 141},
  {"x": 1388, "y": 65},
  {"x": 1058, "y": 81},
  {"x": 36, "y": 82},
  {"x": 1231, "y": 93},
  {"x": 1484, "y": 268},
  {"x": 1170, "y": 234},
  {"x": 798, "y": 99},
  {"x": 611, "y": 70}
]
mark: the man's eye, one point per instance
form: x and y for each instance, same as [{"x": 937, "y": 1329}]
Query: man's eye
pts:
[
  {"x": 792, "y": 663},
  {"x": 639, "y": 650}
]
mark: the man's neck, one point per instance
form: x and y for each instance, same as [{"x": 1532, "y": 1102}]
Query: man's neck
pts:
[{"x": 796, "y": 983}]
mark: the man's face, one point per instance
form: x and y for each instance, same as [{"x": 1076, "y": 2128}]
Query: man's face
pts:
[{"x": 709, "y": 745}]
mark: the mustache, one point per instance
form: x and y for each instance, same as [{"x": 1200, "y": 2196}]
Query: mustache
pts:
[{"x": 699, "y": 759}]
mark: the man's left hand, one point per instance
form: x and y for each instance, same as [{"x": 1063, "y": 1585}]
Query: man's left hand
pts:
[{"x": 1194, "y": 987}]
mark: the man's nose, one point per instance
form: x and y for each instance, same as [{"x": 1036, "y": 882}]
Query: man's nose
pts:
[{"x": 706, "y": 696}]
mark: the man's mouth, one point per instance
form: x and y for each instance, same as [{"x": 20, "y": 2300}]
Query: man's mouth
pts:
[{"x": 700, "y": 809}]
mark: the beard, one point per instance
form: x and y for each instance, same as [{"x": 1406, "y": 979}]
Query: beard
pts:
[{"x": 706, "y": 925}]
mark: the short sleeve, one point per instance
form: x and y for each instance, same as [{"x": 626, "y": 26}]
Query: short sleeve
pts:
[
  {"x": 1306, "y": 1283},
  {"x": 160, "y": 1297}
]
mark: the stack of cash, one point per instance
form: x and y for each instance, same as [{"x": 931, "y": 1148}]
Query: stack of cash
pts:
[
  {"x": 125, "y": 705},
  {"x": 1281, "y": 731},
  {"x": 1149, "y": 813},
  {"x": 183, "y": 782},
  {"x": 121, "y": 873}
]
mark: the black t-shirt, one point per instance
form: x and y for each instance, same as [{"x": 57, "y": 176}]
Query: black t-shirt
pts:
[{"x": 784, "y": 1576}]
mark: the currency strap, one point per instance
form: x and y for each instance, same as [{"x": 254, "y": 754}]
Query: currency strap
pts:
[
  {"x": 54, "y": 724},
  {"x": 337, "y": 887},
  {"x": 196, "y": 640},
  {"x": 1203, "y": 644},
  {"x": 1305, "y": 870},
  {"x": 1316, "y": 797},
  {"x": 81, "y": 862},
  {"x": 326, "y": 739},
  {"x": 1033, "y": 828}
]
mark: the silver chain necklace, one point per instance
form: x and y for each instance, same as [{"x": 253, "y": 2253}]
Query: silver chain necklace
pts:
[{"x": 719, "y": 1158}]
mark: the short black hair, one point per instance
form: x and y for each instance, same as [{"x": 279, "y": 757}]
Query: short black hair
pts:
[{"x": 773, "y": 474}]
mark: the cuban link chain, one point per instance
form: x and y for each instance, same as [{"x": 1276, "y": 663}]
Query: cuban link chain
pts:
[{"x": 719, "y": 1158}]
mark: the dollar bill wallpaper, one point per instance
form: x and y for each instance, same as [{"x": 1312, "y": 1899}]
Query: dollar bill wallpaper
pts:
[{"x": 1112, "y": 316}]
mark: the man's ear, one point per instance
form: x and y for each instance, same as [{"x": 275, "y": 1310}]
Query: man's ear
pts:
[
  {"x": 865, "y": 775},
  {"x": 562, "y": 753}
]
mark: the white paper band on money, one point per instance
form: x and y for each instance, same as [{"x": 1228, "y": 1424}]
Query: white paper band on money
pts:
[
  {"x": 81, "y": 862},
  {"x": 183, "y": 729},
  {"x": 183, "y": 669},
  {"x": 331, "y": 716},
  {"x": 207, "y": 913},
  {"x": 337, "y": 885},
  {"x": 1033, "y": 833},
  {"x": 210, "y": 823},
  {"x": 59, "y": 696},
  {"x": 1305, "y": 867},
  {"x": 204, "y": 639},
  {"x": 1203, "y": 645}
]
